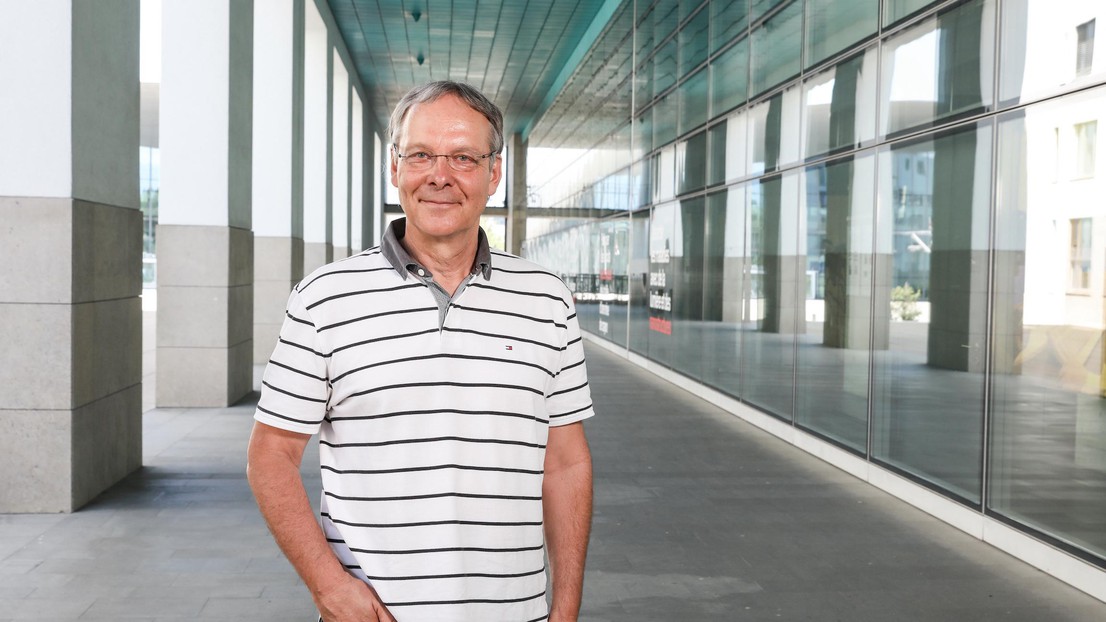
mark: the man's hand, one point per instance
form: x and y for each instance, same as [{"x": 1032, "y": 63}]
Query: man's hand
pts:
[{"x": 351, "y": 601}]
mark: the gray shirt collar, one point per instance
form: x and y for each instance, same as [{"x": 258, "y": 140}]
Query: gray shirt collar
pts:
[{"x": 404, "y": 264}]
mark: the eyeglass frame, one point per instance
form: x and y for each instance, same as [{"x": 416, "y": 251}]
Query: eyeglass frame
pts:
[{"x": 448, "y": 158}]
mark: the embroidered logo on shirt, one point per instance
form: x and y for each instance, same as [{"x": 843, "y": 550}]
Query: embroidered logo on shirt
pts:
[{"x": 510, "y": 347}]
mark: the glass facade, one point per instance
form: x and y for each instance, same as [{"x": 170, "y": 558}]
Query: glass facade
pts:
[
  {"x": 149, "y": 185},
  {"x": 881, "y": 221}
]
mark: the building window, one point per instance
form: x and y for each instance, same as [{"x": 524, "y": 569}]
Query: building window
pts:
[
  {"x": 1084, "y": 48},
  {"x": 1085, "y": 138},
  {"x": 1080, "y": 253}
]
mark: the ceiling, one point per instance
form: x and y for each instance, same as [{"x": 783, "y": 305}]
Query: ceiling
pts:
[{"x": 519, "y": 53}]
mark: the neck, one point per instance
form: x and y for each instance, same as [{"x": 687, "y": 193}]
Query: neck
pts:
[{"x": 450, "y": 260}]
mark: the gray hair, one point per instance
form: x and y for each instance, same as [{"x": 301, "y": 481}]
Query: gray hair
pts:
[{"x": 432, "y": 91}]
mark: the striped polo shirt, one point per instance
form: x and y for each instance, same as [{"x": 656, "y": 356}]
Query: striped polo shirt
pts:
[{"x": 432, "y": 429}]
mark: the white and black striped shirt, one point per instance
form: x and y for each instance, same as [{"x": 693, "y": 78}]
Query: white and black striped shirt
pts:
[{"x": 432, "y": 436}]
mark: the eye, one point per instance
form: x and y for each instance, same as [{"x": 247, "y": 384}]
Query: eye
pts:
[
  {"x": 419, "y": 155},
  {"x": 464, "y": 158}
]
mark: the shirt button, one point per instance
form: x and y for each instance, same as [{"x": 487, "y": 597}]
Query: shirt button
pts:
[{"x": 422, "y": 272}]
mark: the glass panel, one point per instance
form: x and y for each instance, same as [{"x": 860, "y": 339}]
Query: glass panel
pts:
[
  {"x": 639, "y": 282},
  {"x": 664, "y": 174},
  {"x": 760, "y": 7},
  {"x": 737, "y": 146},
  {"x": 662, "y": 238},
  {"x": 665, "y": 117},
  {"x": 1048, "y": 448},
  {"x": 614, "y": 260},
  {"x": 939, "y": 69},
  {"x": 1048, "y": 48},
  {"x": 832, "y": 359},
  {"x": 775, "y": 311},
  {"x": 666, "y": 19},
  {"x": 664, "y": 68},
  {"x": 691, "y": 163},
  {"x": 716, "y": 162},
  {"x": 694, "y": 101},
  {"x": 930, "y": 307},
  {"x": 839, "y": 106},
  {"x": 774, "y": 132},
  {"x": 686, "y": 268},
  {"x": 725, "y": 271},
  {"x": 694, "y": 42},
  {"x": 832, "y": 26},
  {"x": 643, "y": 85},
  {"x": 729, "y": 78},
  {"x": 894, "y": 10},
  {"x": 777, "y": 46},
  {"x": 728, "y": 20}
]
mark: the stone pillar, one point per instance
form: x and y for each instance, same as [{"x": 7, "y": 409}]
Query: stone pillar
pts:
[
  {"x": 277, "y": 166},
  {"x": 359, "y": 240},
  {"x": 517, "y": 200},
  {"x": 71, "y": 239},
  {"x": 784, "y": 266},
  {"x": 339, "y": 156},
  {"x": 317, "y": 248},
  {"x": 205, "y": 245}
]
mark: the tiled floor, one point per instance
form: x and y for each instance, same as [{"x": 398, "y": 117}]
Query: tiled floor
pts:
[{"x": 699, "y": 517}]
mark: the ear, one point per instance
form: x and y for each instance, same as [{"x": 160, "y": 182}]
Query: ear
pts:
[{"x": 392, "y": 169}]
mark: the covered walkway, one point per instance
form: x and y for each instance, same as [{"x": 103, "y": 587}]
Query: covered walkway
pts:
[{"x": 699, "y": 517}]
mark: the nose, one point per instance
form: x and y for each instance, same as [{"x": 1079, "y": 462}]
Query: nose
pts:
[{"x": 440, "y": 170}]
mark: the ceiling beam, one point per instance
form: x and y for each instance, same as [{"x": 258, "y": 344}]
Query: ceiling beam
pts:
[{"x": 598, "y": 24}]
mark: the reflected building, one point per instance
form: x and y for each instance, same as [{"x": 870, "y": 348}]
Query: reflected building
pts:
[{"x": 879, "y": 223}]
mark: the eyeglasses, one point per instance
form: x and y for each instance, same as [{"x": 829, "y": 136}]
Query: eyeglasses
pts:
[{"x": 460, "y": 162}]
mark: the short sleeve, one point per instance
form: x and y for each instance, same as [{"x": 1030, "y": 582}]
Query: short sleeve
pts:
[
  {"x": 294, "y": 389},
  {"x": 569, "y": 400}
]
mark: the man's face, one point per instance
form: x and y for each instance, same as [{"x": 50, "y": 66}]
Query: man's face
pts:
[{"x": 442, "y": 204}]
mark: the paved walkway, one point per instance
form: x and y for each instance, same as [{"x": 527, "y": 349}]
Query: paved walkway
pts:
[{"x": 699, "y": 517}]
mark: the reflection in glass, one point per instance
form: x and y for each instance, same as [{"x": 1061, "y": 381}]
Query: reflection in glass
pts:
[
  {"x": 930, "y": 301},
  {"x": 894, "y": 10},
  {"x": 725, "y": 275},
  {"x": 777, "y": 46},
  {"x": 694, "y": 101},
  {"x": 939, "y": 69},
  {"x": 1048, "y": 448},
  {"x": 832, "y": 356},
  {"x": 832, "y": 26},
  {"x": 1048, "y": 48},
  {"x": 773, "y": 139},
  {"x": 665, "y": 116},
  {"x": 729, "y": 19},
  {"x": 639, "y": 282},
  {"x": 694, "y": 42},
  {"x": 664, "y": 67},
  {"x": 775, "y": 311},
  {"x": 839, "y": 106},
  {"x": 691, "y": 163},
  {"x": 686, "y": 265},
  {"x": 663, "y": 235},
  {"x": 760, "y": 7},
  {"x": 729, "y": 78}
]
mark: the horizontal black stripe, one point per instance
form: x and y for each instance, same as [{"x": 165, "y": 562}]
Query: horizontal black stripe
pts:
[
  {"x": 428, "y": 357},
  {"x": 379, "y": 339},
  {"x": 519, "y": 293},
  {"x": 435, "y": 495},
  {"x": 571, "y": 412},
  {"x": 508, "y": 271},
  {"x": 448, "y": 549},
  {"x": 468, "y": 385},
  {"x": 333, "y": 272},
  {"x": 471, "y": 523},
  {"x": 440, "y": 411},
  {"x": 301, "y": 347},
  {"x": 509, "y": 313},
  {"x": 501, "y": 336},
  {"x": 286, "y": 418},
  {"x": 296, "y": 319},
  {"x": 363, "y": 291},
  {"x": 298, "y": 371},
  {"x": 435, "y": 439},
  {"x": 571, "y": 317},
  {"x": 295, "y": 395},
  {"x": 462, "y": 575},
  {"x": 574, "y": 341},
  {"x": 376, "y": 315},
  {"x": 468, "y": 601},
  {"x": 432, "y": 467},
  {"x": 569, "y": 390},
  {"x": 568, "y": 367}
]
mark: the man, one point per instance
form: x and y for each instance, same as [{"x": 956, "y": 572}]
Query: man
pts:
[{"x": 447, "y": 385}]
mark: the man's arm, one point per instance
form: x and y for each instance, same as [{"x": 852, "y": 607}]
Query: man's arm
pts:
[
  {"x": 566, "y": 499},
  {"x": 273, "y": 471}
]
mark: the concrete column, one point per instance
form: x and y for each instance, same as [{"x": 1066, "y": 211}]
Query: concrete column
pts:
[
  {"x": 359, "y": 218},
  {"x": 71, "y": 365},
  {"x": 205, "y": 242},
  {"x": 784, "y": 266},
  {"x": 317, "y": 248},
  {"x": 277, "y": 166},
  {"x": 516, "y": 193},
  {"x": 339, "y": 157}
]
